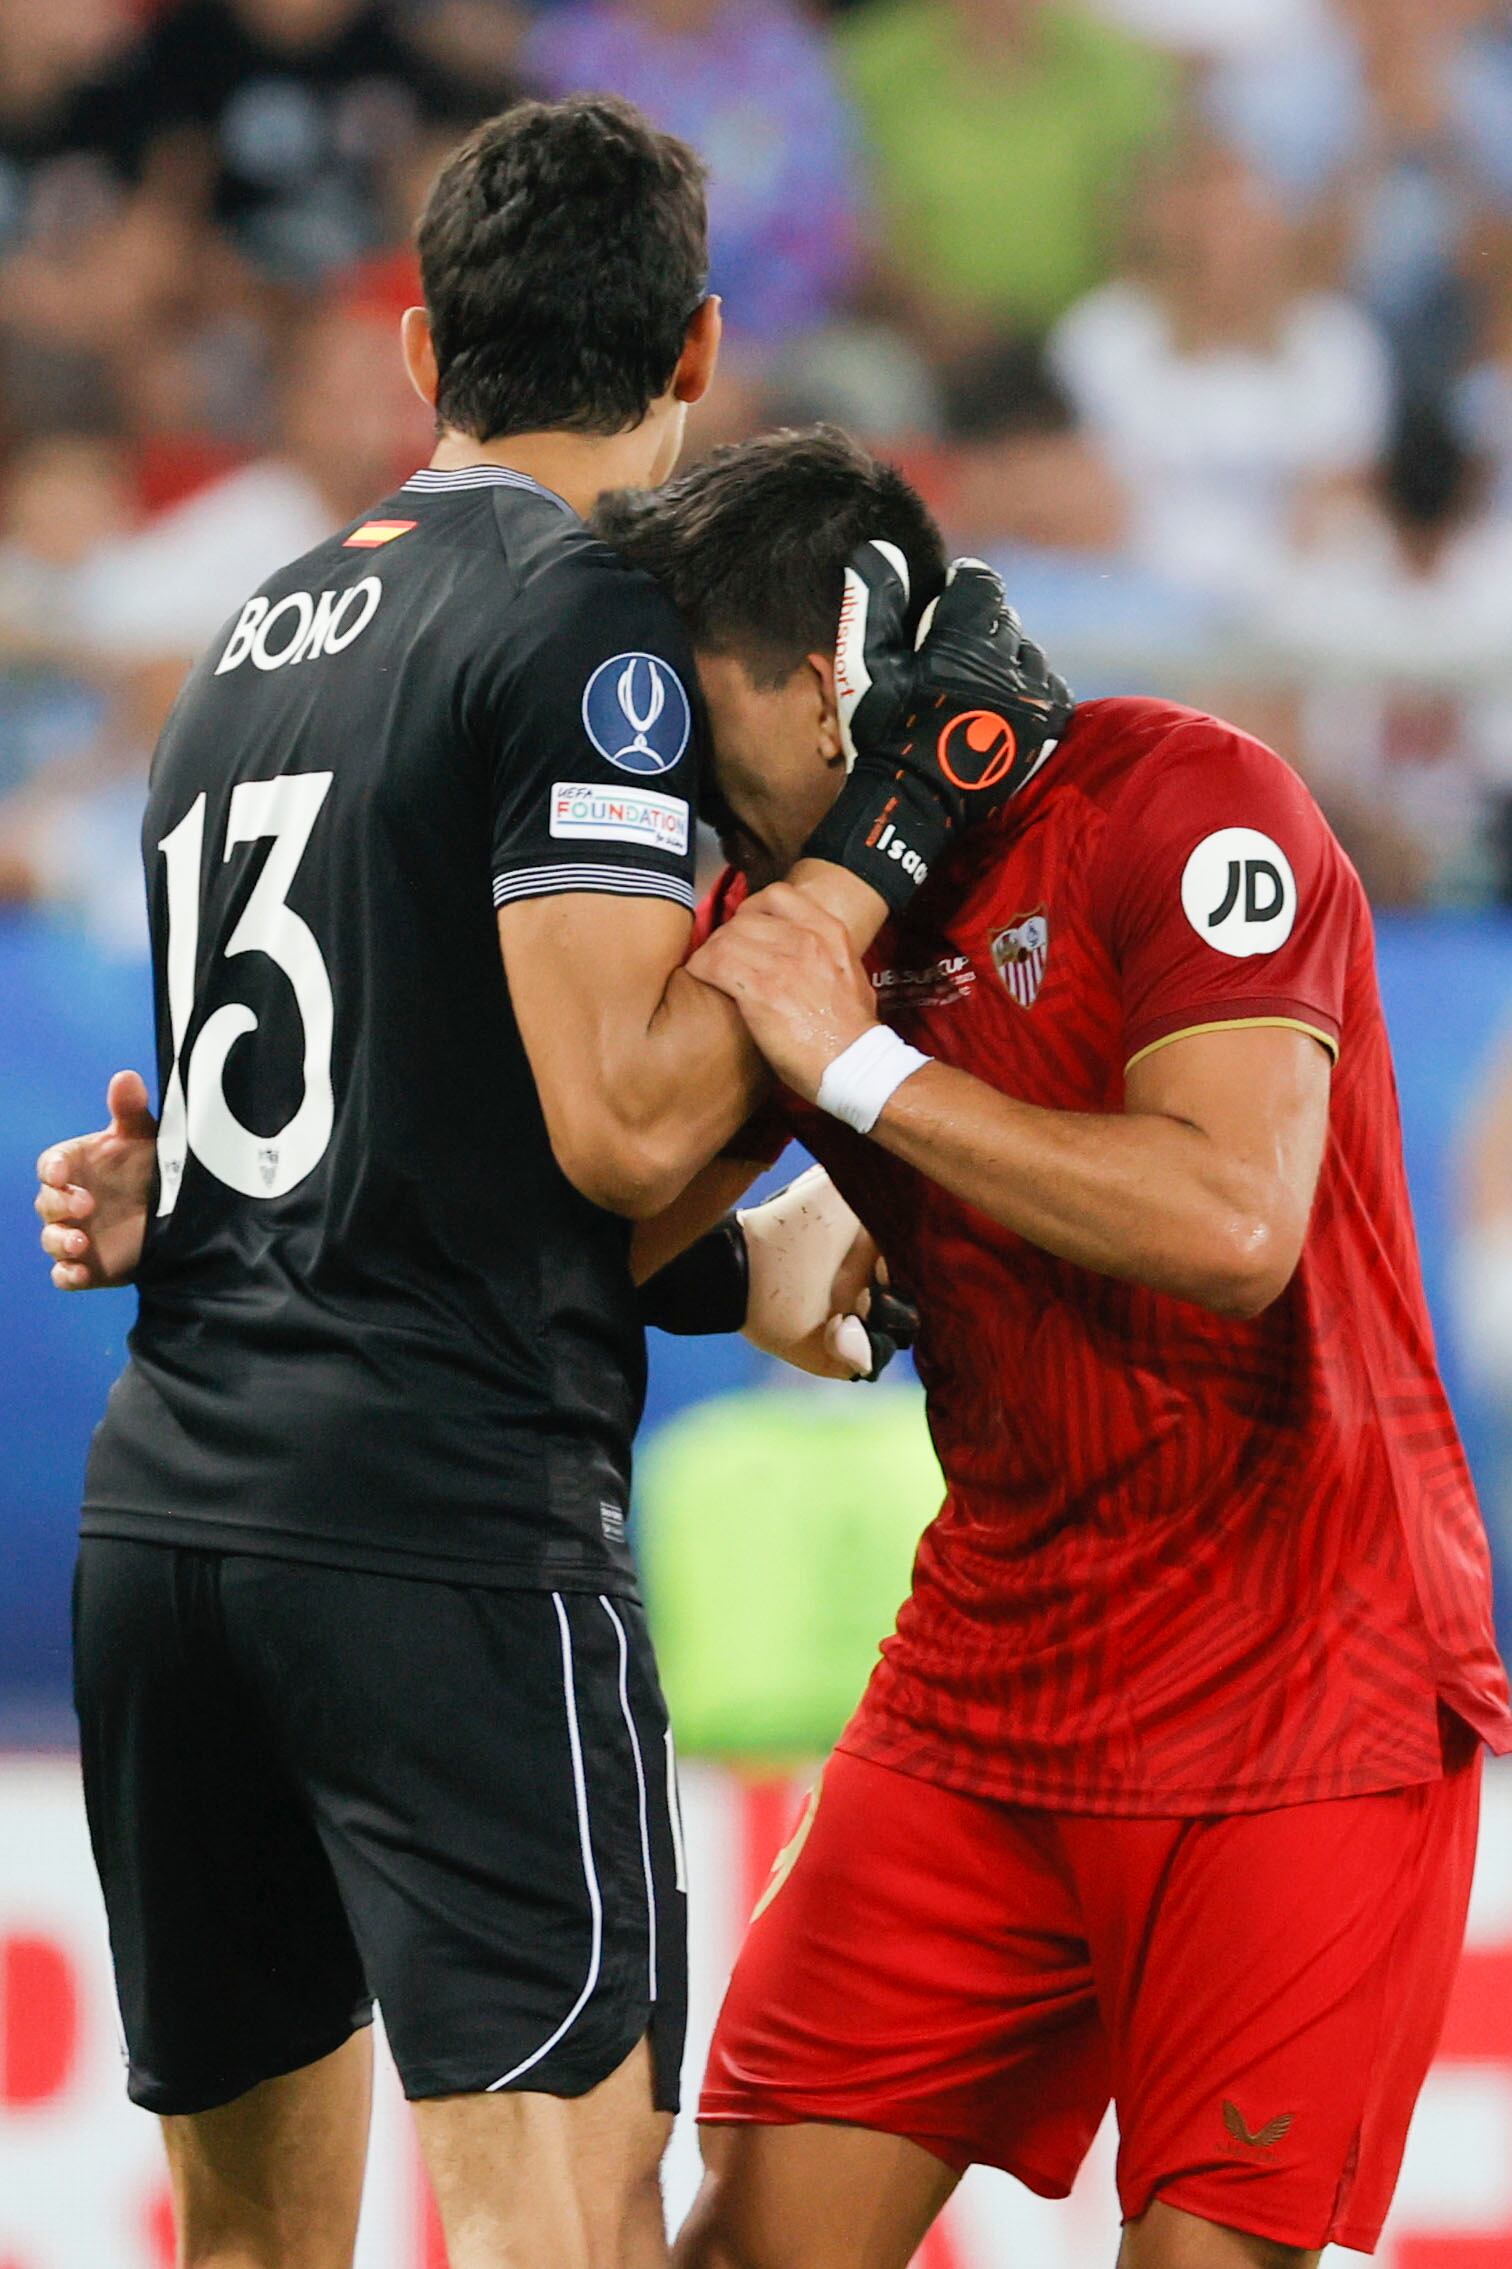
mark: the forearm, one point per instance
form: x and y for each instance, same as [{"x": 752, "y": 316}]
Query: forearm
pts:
[
  {"x": 853, "y": 903},
  {"x": 705, "y": 1200},
  {"x": 1140, "y": 1196},
  {"x": 689, "y": 1079}
]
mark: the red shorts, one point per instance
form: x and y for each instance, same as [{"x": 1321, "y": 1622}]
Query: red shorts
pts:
[{"x": 1260, "y": 1994}]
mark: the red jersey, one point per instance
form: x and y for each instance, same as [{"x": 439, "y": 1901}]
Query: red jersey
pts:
[{"x": 1186, "y": 1563}]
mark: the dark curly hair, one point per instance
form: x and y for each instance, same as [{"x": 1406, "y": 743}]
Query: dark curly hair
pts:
[
  {"x": 563, "y": 249},
  {"x": 751, "y": 543}
]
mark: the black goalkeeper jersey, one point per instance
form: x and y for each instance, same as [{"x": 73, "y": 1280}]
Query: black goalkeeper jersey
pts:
[{"x": 378, "y": 1327}]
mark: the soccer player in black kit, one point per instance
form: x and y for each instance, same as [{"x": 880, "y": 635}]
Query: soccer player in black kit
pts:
[{"x": 366, "y": 1698}]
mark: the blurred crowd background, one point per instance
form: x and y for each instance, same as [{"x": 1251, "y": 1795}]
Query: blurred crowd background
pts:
[{"x": 1193, "y": 316}]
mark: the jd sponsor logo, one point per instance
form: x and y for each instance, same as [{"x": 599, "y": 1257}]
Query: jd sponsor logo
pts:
[
  {"x": 300, "y": 628},
  {"x": 619, "y": 815},
  {"x": 1239, "y": 893}
]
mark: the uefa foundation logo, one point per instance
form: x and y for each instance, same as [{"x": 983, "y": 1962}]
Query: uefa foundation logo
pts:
[{"x": 637, "y": 714}]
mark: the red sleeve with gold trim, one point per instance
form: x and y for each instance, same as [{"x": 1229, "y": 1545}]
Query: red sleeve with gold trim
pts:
[{"x": 1225, "y": 897}]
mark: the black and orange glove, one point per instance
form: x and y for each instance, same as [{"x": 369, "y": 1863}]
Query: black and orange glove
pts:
[{"x": 939, "y": 733}]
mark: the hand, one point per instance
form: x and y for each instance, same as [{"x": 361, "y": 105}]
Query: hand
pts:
[
  {"x": 938, "y": 736},
  {"x": 95, "y": 1192},
  {"x": 792, "y": 972},
  {"x": 818, "y": 1292}
]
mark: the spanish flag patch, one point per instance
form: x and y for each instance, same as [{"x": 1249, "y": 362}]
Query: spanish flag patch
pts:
[{"x": 375, "y": 532}]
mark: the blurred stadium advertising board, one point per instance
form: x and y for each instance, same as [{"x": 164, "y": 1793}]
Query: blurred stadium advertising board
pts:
[{"x": 81, "y": 2177}]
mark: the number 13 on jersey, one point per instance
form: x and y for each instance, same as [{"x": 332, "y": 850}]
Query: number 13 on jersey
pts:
[{"x": 196, "y": 1116}]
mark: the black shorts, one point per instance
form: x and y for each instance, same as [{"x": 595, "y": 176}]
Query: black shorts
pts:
[{"x": 308, "y": 1787}]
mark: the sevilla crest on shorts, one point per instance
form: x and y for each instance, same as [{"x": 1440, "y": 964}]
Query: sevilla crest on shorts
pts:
[{"x": 1020, "y": 953}]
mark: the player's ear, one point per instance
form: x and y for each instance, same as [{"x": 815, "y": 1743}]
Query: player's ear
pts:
[
  {"x": 831, "y": 745},
  {"x": 695, "y": 365},
  {"x": 419, "y": 351}
]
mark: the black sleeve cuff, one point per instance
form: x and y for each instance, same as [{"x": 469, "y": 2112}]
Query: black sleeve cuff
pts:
[{"x": 706, "y": 1289}]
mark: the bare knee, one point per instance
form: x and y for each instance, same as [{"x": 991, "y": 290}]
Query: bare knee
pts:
[
  {"x": 708, "y": 2238},
  {"x": 1167, "y": 2238},
  {"x": 273, "y": 2180},
  {"x": 551, "y": 2182},
  {"x": 811, "y": 2196},
  {"x": 643, "y": 2232},
  {"x": 720, "y": 2231}
]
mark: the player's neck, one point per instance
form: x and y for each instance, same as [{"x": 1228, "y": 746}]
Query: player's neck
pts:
[{"x": 579, "y": 467}]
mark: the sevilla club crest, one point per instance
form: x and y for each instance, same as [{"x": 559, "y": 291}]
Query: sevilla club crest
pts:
[{"x": 1019, "y": 955}]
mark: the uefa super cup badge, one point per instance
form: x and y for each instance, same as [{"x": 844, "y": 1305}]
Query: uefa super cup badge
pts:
[
  {"x": 636, "y": 713},
  {"x": 1020, "y": 954}
]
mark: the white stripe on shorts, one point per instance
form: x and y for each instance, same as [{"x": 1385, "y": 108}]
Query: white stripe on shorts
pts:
[
  {"x": 674, "y": 1814},
  {"x": 595, "y": 1901},
  {"x": 640, "y": 1790}
]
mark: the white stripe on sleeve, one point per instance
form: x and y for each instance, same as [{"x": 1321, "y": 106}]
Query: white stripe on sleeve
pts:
[{"x": 616, "y": 882}]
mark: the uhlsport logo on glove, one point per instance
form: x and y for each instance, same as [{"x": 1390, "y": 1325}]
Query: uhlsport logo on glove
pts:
[
  {"x": 636, "y": 713},
  {"x": 977, "y": 749}
]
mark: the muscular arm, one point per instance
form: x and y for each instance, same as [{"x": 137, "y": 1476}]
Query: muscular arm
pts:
[
  {"x": 1202, "y": 1187},
  {"x": 705, "y": 1201},
  {"x": 644, "y": 1073}
]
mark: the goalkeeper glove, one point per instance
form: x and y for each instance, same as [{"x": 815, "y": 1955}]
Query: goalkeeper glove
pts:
[
  {"x": 798, "y": 1275},
  {"x": 936, "y": 737}
]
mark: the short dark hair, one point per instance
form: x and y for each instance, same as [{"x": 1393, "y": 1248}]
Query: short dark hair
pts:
[
  {"x": 751, "y": 543},
  {"x": 563, "y": 251}
]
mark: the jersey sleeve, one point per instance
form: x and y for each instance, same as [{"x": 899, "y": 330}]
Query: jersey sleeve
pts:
[
  {"x": 596, "y": 738},
  {"x": 1225, "y": 897}
]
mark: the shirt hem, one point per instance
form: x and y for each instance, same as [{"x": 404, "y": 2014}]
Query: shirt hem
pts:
[
  {"x": 197, "y": 1532},
  {"x": 1125, "y": 1801}
]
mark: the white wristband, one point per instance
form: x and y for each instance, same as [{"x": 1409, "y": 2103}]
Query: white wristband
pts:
[{"x": 864, "y": 1077}]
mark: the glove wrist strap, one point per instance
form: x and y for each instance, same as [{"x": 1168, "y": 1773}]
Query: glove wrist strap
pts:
[
  {"x": 863, "y": 1079},
  {"x": 884, "y": 829},
  {"x": 706, "y": 1289}
]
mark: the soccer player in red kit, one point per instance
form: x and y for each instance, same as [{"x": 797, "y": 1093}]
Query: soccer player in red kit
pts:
[{"x": 1165, "y": 1789}]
